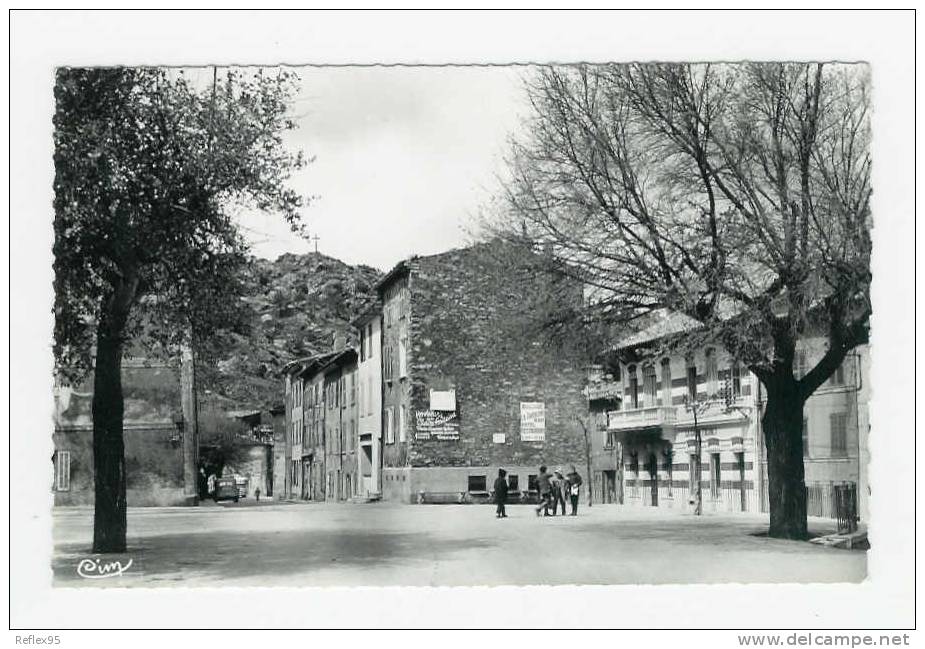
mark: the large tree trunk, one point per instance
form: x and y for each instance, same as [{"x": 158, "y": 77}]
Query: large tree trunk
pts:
[
  {"x": 109, "y": 516},
  {"x": 783, "y": 430}
]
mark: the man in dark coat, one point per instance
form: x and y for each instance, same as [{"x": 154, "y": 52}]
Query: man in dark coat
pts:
[
  {"x": 574, "y": 488},
  {"x": 545, "y": 489},
  {"x": 501, "y": 493}
]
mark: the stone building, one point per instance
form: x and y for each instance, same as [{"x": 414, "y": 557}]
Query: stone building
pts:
[
  {"x": 645, "y": 438},
  {"x": 467, "y": 386},
  {"x": 153, "y": 432},
  {"x": 305, "y": 477},
  {"x": 340, "y": 425},
  {"x": 280, "y": 451},
  {"x": 369, "y": 402}
]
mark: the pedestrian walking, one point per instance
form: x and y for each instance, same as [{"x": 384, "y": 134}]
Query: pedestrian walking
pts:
[
  {"x": 574, "y": 489},
  {"x": 211, "y": 484},
  {"x": 558, "y": 489},
  {"x": 257, "y": 493},
  {"x": 202, "y": 483},
  {"x": 543, "y": 486},
  {"x": 501, "y": 493}
]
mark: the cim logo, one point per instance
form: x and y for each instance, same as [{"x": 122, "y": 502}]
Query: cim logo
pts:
[{"x": 97, "y": 569}]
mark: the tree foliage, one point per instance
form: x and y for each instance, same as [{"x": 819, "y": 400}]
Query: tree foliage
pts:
[
  {"x": 223, "y": 440},
  {"x": 146, "y": 168},
  {"x": 146, "y": 248},
  {"x": 737, "y": 195}
]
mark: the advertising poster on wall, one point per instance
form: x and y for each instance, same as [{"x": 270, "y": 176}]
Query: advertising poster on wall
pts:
[
  {"x": 430, "y": 424},
  {"x": 532, "y": 421}
]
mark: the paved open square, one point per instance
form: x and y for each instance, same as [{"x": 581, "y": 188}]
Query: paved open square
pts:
[{"x": 381, "y": 544}]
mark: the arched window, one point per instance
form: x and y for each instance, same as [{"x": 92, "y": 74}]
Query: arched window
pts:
[
  {"x": 633, "y": 386},
  {"x": 712, "y": 373},
  {"x": 666, "y": 382},
  {"x": 691, "y": 379}
]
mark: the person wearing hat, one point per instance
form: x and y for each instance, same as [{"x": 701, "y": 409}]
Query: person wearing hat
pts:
[
  {"x": 544, "y": 488},
  {"x": 558, "y": 487},
  {"x": 501, "y": 493},
  {"x": 573, "y": 482}
]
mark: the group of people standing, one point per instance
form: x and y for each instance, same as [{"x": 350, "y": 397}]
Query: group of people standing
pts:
[{"x": 553, "y": 490}]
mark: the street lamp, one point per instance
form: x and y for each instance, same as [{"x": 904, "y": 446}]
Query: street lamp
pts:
[{"x": 697, "y": 408}]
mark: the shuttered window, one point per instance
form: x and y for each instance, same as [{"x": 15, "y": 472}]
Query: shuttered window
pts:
[
  {"x": 389, "y": 429},
  {"x": 838, "y": 422},
  {"x": 666, "y": 382},
  {"x": 62, "y": 471},
  {"x": 712, "y": 373},
  {"x": 649, "y": 385}
]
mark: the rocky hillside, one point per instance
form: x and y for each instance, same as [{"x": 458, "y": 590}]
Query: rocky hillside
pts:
[{"x": 293, "y": 307}]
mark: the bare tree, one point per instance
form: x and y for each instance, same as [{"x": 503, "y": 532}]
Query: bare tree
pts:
[{"x": 737, "y": 195}]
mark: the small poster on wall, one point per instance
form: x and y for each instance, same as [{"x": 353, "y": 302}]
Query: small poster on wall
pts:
[
  {"x": 497, "y": 438},
  {"x": 443, "y": 400},
  {"x": 532, "y": 421}
]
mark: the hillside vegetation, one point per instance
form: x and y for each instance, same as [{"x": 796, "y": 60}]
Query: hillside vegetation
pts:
[{"x": 292, "y": 308}]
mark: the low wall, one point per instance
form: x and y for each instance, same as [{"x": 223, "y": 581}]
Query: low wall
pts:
[
  {"x": 153, "y": 465},
  {"x": 396, "y": 485},
  {"x": 405, "y": 484}
]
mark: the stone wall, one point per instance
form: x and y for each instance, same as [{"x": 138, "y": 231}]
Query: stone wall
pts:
[
  {"x": 153, "y": 448},
  {"x": 396, "y": 391},
  {"x": 472, "y": 329},
  {"x": 396, "y": 486},
  {"x": 153, "y": 464}
]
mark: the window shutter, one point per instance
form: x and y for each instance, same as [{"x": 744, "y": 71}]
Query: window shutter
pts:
[{"x": 63, "y": 470}]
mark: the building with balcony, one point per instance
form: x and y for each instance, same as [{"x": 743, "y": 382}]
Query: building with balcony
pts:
[{"x": 645, "y": 431}]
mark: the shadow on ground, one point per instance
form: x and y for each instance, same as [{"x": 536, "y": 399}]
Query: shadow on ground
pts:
[{"x": 160, "y": 560}]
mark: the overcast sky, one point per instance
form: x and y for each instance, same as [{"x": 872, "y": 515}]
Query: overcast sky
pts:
[{"x": 404, "y": 159}]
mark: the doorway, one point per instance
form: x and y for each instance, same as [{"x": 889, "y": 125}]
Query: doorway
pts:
[
  {"x": 366, "y": 468},
  {"x": 610, "y": 487},
  {"x": 652, "y": 468},
  {"x": 306, "y": 480}
]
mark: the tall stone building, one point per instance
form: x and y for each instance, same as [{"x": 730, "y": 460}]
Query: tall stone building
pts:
[
  {"x": 306, "y": 477},
  {"x": 340, "y": 425},
  {"x": 468, "y": 385},
  {"x": 369, "y": 402}
]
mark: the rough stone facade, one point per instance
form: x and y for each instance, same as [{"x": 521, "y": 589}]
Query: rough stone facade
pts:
[
  {"x": 465, "y": 317},
  {"x": 312, "y": 471}
]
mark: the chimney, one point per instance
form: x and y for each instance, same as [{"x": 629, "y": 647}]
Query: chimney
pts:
[{"x": 340, "y": 340}]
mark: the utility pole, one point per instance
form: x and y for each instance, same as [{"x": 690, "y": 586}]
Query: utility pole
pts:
[
  {"x": 698, "y": 471},
  {"x": 189, "y": 406},
  {"x": 587, "y": 440}
]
